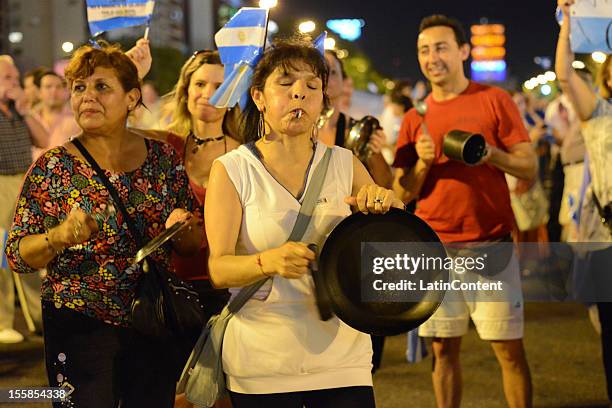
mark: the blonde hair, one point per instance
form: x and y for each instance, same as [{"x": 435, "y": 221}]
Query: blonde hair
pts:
[
  {"x": 181, "y": 118},
  {"x": 603, "y": 76}
]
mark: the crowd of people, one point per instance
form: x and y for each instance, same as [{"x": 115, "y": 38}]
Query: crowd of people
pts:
[{"x": 69, "y": 251}]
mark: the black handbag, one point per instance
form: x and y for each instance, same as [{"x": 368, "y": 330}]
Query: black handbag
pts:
[{"x": 164, "y": 305}]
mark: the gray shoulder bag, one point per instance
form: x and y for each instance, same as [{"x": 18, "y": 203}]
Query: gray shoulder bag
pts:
[{"x": 203, "y": 380}]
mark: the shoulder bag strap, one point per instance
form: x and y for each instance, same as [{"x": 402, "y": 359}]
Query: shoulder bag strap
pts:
[{"x": 112, "y": 191}]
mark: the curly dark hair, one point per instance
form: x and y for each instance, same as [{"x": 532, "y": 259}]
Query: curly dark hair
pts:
[
  {"x": 87, "y": 58},
  {"x": 286, "y": 54}
]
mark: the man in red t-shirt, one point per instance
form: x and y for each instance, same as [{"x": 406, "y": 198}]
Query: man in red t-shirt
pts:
[{"x": 466, "y": 203}]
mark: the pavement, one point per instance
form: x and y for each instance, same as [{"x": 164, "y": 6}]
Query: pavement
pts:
[{"x": 563, "y": 351}]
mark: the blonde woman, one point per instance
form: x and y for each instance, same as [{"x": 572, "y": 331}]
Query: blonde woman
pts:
[{"x": 199, "y": 132}]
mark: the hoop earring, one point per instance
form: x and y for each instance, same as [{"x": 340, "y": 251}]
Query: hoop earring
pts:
[
  {"x": 314, "y": 134},
  {"x": 261, "y": 127}
]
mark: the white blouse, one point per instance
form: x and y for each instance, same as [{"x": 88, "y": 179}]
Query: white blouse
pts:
[{"x": 277, "y": 343}]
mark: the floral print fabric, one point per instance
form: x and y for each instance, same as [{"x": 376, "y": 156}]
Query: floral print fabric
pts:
[{"x": 97, "y": 278}]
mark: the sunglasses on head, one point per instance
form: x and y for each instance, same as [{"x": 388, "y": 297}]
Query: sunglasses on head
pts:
[{"x": 198, "y": 52}]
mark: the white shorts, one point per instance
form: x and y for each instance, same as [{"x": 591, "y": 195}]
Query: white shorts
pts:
[{"x": 501, "y": 319}]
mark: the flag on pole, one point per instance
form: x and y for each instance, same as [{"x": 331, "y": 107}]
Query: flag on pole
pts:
[
  {"x": 234, "y": 88},
  {"x": 104, "y": 15},
  {"x": 416, "y": 349},
  {"x": 319, "y": 43},
  {"x": 591, "y": 26},
  {"x": 241, "y": 43}
]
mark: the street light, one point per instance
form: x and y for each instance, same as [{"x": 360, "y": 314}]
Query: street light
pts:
[
  {"x": 342, "y": 53},
  {"x": 15, "y": 37},
  {"x": 389, "y": 84},
  {"x": 307, "y": 27},
  {"x": 329, "y": 43},
  {"x": 267, "y": 4},
  {"x": 272, "y": 27},
  {"x": 529, "y": 85},
  {"x": 578, "y": 65},
  {"x": 599, "y": 57},
  {"x": 67, "y": 47}
]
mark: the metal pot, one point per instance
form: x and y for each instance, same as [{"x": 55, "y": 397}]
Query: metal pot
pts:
[
  {"x": 359, "y": 136},
  {"x": 464, "y": 146}
]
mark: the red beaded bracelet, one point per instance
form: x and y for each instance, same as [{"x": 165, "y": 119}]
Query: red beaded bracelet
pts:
[{"x": 258, "y": 260}]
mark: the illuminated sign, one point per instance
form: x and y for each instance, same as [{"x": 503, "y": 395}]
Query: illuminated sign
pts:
[
  {"x": 347, "y": 29},
  {"x": 488, "y": 52},
  {"x": 488, "y": 66}
]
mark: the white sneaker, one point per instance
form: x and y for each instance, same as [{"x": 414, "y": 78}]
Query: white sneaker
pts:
[{"x": 10, "y": 336}]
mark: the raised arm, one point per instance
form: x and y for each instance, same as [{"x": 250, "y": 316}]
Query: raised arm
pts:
[
  {"x": 580, "y": 94},
  {"x": 140, "y": 54},
  {"x": 409, "y": 181},
  {"x": 39, "y": 135}
]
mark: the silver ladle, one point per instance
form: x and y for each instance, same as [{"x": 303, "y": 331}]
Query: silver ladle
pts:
[{"x": 421, "y": 108}]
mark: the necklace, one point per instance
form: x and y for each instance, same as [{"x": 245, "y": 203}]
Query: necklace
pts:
[{"x": 199, "y": 142}]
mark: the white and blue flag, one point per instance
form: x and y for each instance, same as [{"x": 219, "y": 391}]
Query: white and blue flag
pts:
[
  {"x": 319, "y": 43},
  {"x": 416, "y": 349},
  {"x": 234, "y": 89},
  {"x": 241, "y": 43},
  {"x": 591, "y": 28},
  {"x": 105, "y": 15}
]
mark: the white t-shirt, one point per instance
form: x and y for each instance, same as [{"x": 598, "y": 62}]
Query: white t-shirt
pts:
[{"x": 279, "y": 344}]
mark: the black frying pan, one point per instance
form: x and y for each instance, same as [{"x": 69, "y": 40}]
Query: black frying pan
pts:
[{"x": 338, "y": 277}]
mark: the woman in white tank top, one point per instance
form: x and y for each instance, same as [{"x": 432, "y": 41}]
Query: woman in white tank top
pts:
[{"x": 276, "y": 350}]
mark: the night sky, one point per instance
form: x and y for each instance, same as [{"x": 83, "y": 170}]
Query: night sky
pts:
[{"x": 389, "y": 36}]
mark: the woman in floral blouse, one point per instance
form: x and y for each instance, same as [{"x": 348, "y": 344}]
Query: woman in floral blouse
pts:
[{"x": 64, "y": 222}]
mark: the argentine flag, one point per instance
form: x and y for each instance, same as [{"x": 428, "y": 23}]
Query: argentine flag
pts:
[
  {"x": 416, "y": 349},
  {"x": 104, "y": 15},
  {"x": 591, "y": 28},
  {"x": 319, "y": 43},
  {"x": 241, "y": 43}
]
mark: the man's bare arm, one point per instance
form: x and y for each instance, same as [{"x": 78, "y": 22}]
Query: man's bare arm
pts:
[{"x": 408, "y": 182}]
